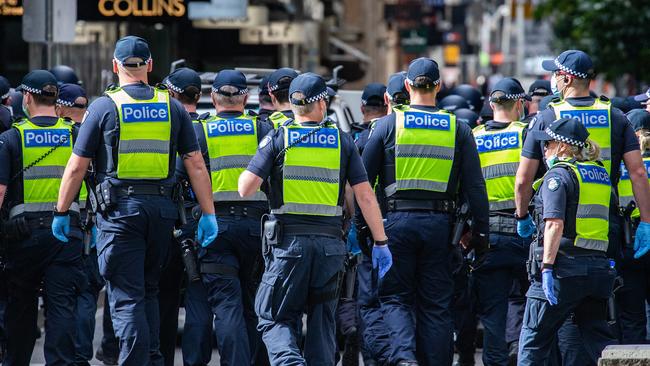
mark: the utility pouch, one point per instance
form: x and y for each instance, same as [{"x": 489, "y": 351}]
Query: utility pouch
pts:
[
  {"x": 177, "y": 196},
  {"x": 16, "y": 230},
  {"x": 533, "y": 264},
  {"x": 106, "y": 196},
  {"x": 271, "y": 232}
]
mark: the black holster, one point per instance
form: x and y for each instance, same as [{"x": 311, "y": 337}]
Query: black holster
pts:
[
  {"x": 350, "y": 276},
  {"x": 179, "y": 197},
  {"x": 106, "y": 196},
  {"x": 190, "y": 260},
  {"x": 271, "y": 233},
  {"x": 534, "y": 262}
]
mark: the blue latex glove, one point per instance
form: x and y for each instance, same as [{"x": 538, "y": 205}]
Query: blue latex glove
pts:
[
  {"x": 93, "y": 237},
  {"x": 642, "y": 240},
  {"x": 208, "y": 229},
  {"x": 382, "y": 259},
  {"x": 61, "y": 227},
  {"x": 525, "y": 227},
  {"x": 547, "y": 285}
]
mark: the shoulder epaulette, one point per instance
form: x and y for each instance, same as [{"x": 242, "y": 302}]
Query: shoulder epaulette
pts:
[
  {"x": 252, "y": 113},
  {"x": 111, "y": 88},
  {"x": 556, "y": 99},
  {"x": 203, "y": 116},
  {"x": 603, "y": 98},
  {"x": 161, "y": 86},
  {"x": 20, "y": 121},
  {"x": 68, "y": 121}
]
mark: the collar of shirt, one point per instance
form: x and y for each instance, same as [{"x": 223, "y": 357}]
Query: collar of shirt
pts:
[
  {"x": 229, "y": 114},
  {"x": 194, "y": 115},
  {"x": 581, "y": 101},
  {"x": 495, "y": 125},
  {"x": 288, "y": 113},
  {"x": 44, "y": 121},
  {"x": 427, "y": 108}
]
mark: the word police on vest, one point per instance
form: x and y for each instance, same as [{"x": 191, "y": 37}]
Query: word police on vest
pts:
[
  {"x": 593, "y": 174},
  {"x": 145, "y": 112},
  {"x": 45, "y": 138},
  {"x": 431, "y": 121},
  {"x": 589, "y": 118},
  {"x": 227, "y": 127},
  {"x": 497, "y": 141},
  {"x": 327, "y": 138},
  {"x": 625, "y": 174}
]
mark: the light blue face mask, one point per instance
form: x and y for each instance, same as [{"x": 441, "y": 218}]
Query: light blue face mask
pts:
[
  {"x": 554, "y": 85},
  {"x": 553, "y": 159},
  {"x": 25, "y": 111}
]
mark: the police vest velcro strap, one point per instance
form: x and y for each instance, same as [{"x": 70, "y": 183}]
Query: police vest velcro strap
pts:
[
  {"x": 144, "y": 146},
  {"x": 43, "y": 172},
  {"x": 230, "y": 162},
  {"x": 500, "y": 170},
  {"x": 38, "y": 207}
]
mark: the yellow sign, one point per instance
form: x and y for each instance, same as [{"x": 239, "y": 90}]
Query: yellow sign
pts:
[
  {"x": 141, "y": 8},
  {"x": 10, "y": 8},
  {"x": 451, "y": 54}
]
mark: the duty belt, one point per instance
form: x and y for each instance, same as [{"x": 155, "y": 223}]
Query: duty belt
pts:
[
  {"x": 46, "y": 222},
  {"x": 37, "y": 207},
  {"x": 238, "y": 210},
  {"x": 445, "y": 206},
  {"x": 289, "y": 230},
  {"x": 144, "y": 190},
  {"x": 503, "y": 224}
]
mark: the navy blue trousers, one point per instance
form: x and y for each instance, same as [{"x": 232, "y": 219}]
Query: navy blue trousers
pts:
[
  {"x": 133, "y": 243},
  {"x": 42, "y": 257},
  {"x": 416, "y": 293},
  {"x": 374, "y": 332},
  {"x": 582, "y": 286},
  {"x": 87, "y": 309},
  {"x": 299, "y": 269},
  {"x": 503, "y": 264}
]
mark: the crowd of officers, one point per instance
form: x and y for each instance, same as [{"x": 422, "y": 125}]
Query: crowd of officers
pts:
[{"x": 524, "y": 211}]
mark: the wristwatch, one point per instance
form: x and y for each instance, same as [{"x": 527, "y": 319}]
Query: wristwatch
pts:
[
  {"x": 57, "y": 213},
  {"x": 547, "y": 266},
  {"x": 381, "y": 242},
  {"x": 521, "y": 218}
]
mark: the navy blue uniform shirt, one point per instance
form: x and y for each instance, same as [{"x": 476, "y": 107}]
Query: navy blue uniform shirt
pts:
[
  {"x": 264, "y": 165},
  {"x": 5, "y": 118},
  {"x": 99, "y": 131},
  {"x": 379, "y": 154},
  {"x": 623, "y": 138},
  {"x": 11, "y": 159}
]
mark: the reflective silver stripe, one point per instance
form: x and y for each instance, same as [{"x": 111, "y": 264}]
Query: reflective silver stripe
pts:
[
  {"x": 424, "y": 151},
  {"x": 313, "y": 174},
  {"x": 143, "y": 146},
  {"x": 309, "y": 209},
  {"x": 502, "y": 205},
  {"x": 425, "y": 185},
  {"x": 592, "y": 244},
  {"x": 230, "y": 162},
  {"x": 500, "y": 170},
  {"x": 43, "y": 172},
  {"x": 624, "y": 201},
  {"x": 606, "y": 153},
  {"x": 82, "y": 204},
  {"x": 38, "y": 207},
  {"x": 234, "y": 196},
  {"x": 593, "y": 212}
]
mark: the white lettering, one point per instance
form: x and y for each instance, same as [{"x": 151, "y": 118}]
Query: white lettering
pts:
[
  {"x": 46, "y": 137},
  {"x": 426, "y": 120},
  {"x": 144, "y": 112},
  {"x": 229, "y": 127},
  {"x": 317, "y": 138}
]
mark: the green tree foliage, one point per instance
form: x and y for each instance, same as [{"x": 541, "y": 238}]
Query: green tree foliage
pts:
[{"x": 615, "y": 33}]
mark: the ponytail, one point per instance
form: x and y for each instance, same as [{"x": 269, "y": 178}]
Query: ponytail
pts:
[
  {"x": 644, "y": 140},
  {"x": 591, "y": 152}
]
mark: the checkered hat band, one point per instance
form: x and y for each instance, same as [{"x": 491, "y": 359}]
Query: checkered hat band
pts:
[
  {"x": 4, "y": 96},
  {"x": 65, "y": 103},
  {"x": 241, "y": 92},
  {"x": 569, "y": 71},
  {"x": 564, "y": 139},
  {"x": 411, "y": 82},
  {"x": 136, "y": 64},
  {"x": 310, "y": 100},
  {"x": 30, "y": 89},
  {"x": 173, "y": 87}
]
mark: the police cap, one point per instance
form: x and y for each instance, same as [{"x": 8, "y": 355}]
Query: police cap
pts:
[
  {"x": 264, "y": 86},
  {"x": 471, "y": 94},
  {"x": 36, "y": 80},
  {"x": 572, "y": 62},
  {"x": 68, "y": 94},
  {"x": 181, "y": 79},
  {"x": 233, "y": 78},
  {"x": 132, "y": 51},
  {"x": 467, "y": 116},
  {"x": 453, "y": 102},
  {"x": 310, "y": 85},
  {"x": 568, "y": 130},
  {"x": 4, "y": 87},
  {"x": 395, "y": 87},
  {"x": 639, "y": 118},
  {"x": 65, "y": 75},
  {"x": 280, "y": 79},
  {"x": 511, "y": 88},
  {"x": 423, "y": 67},
  {"x": 373, "y": 95},
  {"x": 643, "y": 97},
  {"x": 540, "y": 87}
]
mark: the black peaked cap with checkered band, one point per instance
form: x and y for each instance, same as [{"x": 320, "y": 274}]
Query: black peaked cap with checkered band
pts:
[
  {"x": 36, "y": 80},
  {"x": 568, "y": 130},
  {"x": 181, "y": 79},
  {"x": 234, "y": 78},
  {"x": 68, "y": 94},
  {"x": 312, "y": 86},
  {"x": 511, "y": 88},
  {"x": 572, "y": 62}
]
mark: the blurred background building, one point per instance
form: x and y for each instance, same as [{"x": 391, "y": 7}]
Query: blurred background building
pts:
[{"x": 475, "y": 41}]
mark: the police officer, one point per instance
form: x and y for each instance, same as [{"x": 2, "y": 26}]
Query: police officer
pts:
[
  {"x": 133, "y": 134},
  {"x": 5, "y": 104},
  {"x": 308, "y": 164},
  {"x": 373, "y": 107},
  {"x": 228, "y": 265},
  {"x": 65, "y": 75},
  {"x": 499, "y": 144},
  {"x": 33, "y": 155},
  {"x": 278, "y": 85},
  {"x": 184, "y": 85},
  {"x": 537, "y": 91},
  {"x": 422, "y": 157},
  {"x": 572, "y": 71},
  {"x": 572, "y": 216},
  {"x": 266, "y": 104},
  {"x": 643, "y": 99},
  {"x": 631, "y": 298},
  {"x": 71, "y": 103}
]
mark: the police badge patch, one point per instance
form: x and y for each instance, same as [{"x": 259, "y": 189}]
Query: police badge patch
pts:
[
  {"x": 265, "y": 141},
  {"x": 553, "y": 184}
]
